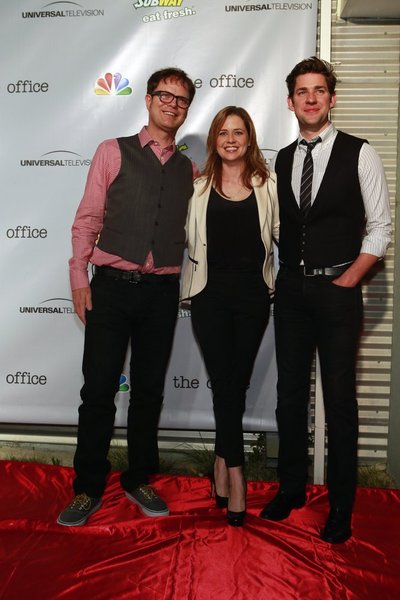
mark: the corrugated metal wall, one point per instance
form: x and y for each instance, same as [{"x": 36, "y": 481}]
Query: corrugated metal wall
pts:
[{"x": 366, "y": 59}]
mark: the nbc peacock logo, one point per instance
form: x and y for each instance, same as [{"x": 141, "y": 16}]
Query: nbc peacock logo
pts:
[
  {"x": 112, "y": 85},
  {"x": 123, "y": 384}
]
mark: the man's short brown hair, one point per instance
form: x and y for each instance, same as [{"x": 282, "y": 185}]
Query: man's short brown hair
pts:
[
  {"x": 171, "y": 73},
  {"x": 312, "y": 65}
]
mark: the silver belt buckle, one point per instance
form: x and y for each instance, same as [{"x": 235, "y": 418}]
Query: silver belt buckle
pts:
[{"x": 318, "y": 271}]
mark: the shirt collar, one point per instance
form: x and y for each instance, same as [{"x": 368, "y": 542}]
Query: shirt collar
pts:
[
  {"x": 146, "y": 139},
  {"x": 326, "y": 135}
]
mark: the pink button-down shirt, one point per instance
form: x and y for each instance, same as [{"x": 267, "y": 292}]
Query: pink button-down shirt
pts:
[{"x": 89, "y": 217}]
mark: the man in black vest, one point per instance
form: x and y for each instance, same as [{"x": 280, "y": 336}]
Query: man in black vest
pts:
[
  {"x": 335, "y": 224},
  {"x": 130, "y": 226}
]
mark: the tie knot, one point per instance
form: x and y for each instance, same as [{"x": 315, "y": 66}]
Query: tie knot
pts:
[{"x": 310, "y": 145}]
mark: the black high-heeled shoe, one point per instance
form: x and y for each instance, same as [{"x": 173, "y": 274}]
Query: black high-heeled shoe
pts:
[
  {"x": 220, "y": 501},
  {"x": 235, "y": 519}
]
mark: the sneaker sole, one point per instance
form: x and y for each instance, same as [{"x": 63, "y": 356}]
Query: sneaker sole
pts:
[
  {"x": 146, "y": 511},
  {"x": 81, "y": 521}
]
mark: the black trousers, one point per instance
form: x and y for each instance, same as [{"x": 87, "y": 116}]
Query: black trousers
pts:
[
  {"x": 145, "y": 314},
  {"x": 313, "y": 312},
  {"x": 229, "y": 318}
]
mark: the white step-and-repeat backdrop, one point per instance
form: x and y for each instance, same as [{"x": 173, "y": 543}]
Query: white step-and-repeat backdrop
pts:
[{"x": 73, "y": 74}]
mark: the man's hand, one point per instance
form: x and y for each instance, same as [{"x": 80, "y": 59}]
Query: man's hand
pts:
[
  {"x": 355, "y": 273},
  {"x": 82, "y": 299}
]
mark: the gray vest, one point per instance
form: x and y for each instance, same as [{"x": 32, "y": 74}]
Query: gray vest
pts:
[{"x": 146, "y": 206}]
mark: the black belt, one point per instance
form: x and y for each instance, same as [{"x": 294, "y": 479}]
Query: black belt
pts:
[
  {"x": 309, "y": 272},
  {"x": 135, "y": 276}
]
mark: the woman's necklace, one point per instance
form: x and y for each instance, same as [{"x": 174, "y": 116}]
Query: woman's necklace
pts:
[{"x": 235, "y": 190}]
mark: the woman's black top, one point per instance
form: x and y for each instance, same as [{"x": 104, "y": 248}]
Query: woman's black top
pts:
[{"x": 233, "y": 234}]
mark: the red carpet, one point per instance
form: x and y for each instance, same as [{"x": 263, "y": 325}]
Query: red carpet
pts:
[{"x": 191, "y": 555}]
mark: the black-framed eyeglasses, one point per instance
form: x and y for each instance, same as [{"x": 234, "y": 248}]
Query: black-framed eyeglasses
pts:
[{"x": 167, "y": 98}]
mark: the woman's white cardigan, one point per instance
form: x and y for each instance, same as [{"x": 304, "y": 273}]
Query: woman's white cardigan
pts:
[{"x": 194, "y": 277}]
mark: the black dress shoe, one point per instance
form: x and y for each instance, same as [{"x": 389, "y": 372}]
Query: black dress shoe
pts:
[
  {"x": 338, "y": 526},
  {"x": 281, "y": 506}
]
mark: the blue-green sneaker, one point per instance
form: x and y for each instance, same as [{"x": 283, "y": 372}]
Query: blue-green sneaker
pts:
[
  {"x": 148, "y": 501},
  {"x": 79, "y": 510}
]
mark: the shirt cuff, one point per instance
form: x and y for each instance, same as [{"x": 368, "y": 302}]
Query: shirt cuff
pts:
[
  {"x": 374, "y": 247},
  {"x": 78, "y": 279}
]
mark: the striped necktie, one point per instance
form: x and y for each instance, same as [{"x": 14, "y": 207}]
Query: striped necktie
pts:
[{"x": 306, "y": 177}]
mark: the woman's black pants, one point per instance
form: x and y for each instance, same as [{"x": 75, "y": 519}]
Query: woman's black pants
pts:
[{"x": 229, "y": 318}]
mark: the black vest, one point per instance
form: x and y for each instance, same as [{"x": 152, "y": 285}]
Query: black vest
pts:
[
  {"x": 146, "y": 206},
  {"x": 332, "y": 231}
]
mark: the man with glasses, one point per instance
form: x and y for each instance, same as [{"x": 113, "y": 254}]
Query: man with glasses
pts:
[{"x": 130, "y": 226}]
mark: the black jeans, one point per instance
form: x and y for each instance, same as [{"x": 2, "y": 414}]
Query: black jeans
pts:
[
  {"x": 229, "y": 318},
  {"x": 144, "y": 313},
  {"x": 313, "y": 312}
]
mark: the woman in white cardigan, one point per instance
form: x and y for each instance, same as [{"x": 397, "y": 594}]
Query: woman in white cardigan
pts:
[{"x": 233, "y": 216}]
